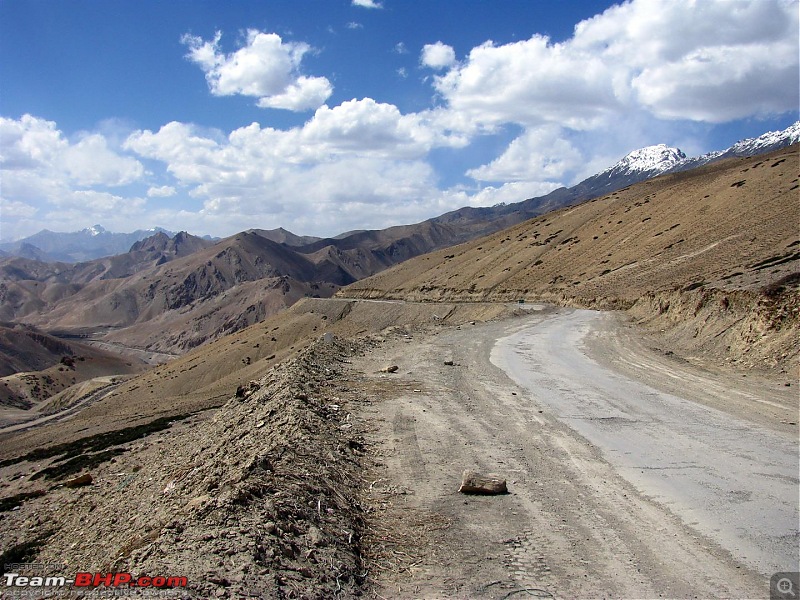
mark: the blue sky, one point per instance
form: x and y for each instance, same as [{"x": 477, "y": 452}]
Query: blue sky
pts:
[{"x": 323, "y": 116}]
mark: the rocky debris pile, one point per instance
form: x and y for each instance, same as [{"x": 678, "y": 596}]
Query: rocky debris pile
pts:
[{"x": 260, "y": 500}]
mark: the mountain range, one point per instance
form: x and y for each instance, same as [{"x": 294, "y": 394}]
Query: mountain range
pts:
[
  {"x": 76, "y": 246},
  {"x": 172, "y": 292}
]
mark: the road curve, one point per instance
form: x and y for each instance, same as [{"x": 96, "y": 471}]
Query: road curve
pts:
[{"x": 730, "y": 479}]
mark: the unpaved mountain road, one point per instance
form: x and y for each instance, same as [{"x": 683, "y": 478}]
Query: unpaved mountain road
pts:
[{"x": 631, "y": 474}]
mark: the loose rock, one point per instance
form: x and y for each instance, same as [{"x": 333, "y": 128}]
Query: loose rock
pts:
[
  {"x": 473, "y": 482},
  {"x": 81, "y": 480}
]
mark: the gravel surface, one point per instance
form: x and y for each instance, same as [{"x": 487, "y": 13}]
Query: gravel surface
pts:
[
  {"x": 577, "y": 522},
  {"x": 730, "y": 479}
]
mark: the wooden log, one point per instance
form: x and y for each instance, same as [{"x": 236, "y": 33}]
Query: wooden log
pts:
[{"x": 473, "y": 482}]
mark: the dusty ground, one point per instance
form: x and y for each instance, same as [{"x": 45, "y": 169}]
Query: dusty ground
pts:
[
  {"x": 573, "y": 526},
  {"x": 333, "y": 479}
]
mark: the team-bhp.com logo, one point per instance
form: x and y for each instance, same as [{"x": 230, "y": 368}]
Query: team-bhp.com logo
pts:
[{"x": 88, "y": 581}]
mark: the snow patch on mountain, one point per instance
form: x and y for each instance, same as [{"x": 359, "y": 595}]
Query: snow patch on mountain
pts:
[
  {"x": 772, "y": 140},
  {"x": 656, "y": 160},
  {"x": 95, "y": 230},
  {"x": 648, "y": 160}
]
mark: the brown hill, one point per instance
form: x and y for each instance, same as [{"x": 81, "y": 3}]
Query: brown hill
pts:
[
  {"x": 724, "y": 235},
  {"x": 209, "y": 376},
  {"x": 35, "y": 366},
  {"x": 29, "y": 287},
  {"x": 23, "y": 348},
  {"x": 172, "y": 295}
]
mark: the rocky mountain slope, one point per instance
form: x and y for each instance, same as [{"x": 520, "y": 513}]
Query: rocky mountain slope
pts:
[
  {"x": 768, "y": 142},
  {"x": 721, "y": 239},
  {"x": 35, "y": 366},
  {"x": 135, "y": 299}
]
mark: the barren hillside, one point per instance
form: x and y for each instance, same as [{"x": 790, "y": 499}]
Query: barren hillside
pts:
[
  {"x": 324, "y": 473},
  {"x": 716, "y": 249},
  {"x": 35, "y": 366}
]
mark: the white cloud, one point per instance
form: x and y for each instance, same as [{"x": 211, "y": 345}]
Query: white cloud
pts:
[
  {"x": 402, "y": 72},
  {"x": 354, "y": 25},
  {"x": 361, "y": 163},
  {"x": 41, "y": 170},
  {"x": 540, "y": 154},
  {"x": 400, "y": 48},
  {"x": 642, "y": 72},
  {"x": 367, "y": 4},
  {"x": 438, "y": 56},
  {"x": 530, "y": 82},
  {"x": 16, "y": 209},
  {"x": 710, "y": 61},
  {"x": 164, "y": 191},
  {"x": 508, "y": 193},
  {"x": 266, "y": 68},
  {"x": 35, "y": 148},
  {"x": 102, "y": 204},
  {"x": 91, "y": 162}
]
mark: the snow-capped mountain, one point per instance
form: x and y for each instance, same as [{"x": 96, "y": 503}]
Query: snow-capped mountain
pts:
[
  {"x": 659, "y": 159},
  {"x": 643, "y": 164},
  {"x": 772, "y": 140},
  {"x": 77, "y": 246},
  {"x": 636, "y": 166},
  {"x": 94, "y": 230},
  {"x": 647, "y": 161}
]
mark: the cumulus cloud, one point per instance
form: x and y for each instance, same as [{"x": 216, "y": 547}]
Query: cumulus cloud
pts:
[
  {"x": 16, "y": 209},
  {"x": 42, "y": 170},
  {"x": 530, "y": 82},
  {"x": 164, "y": 191},
  {"x": 361, "y": 163},
  {"x": 508, "y": 193},
  {"x": 540, "y": 154},
  {"x": 636, "y": 74},
  {"x": 35, "y": 146},
  {"x": 710, "y": 61},
  {"x": 91, "y": 162},
  {"x": 731, "y": 59},
  {"x": 266, "y": 68},
  {"x": 438, "y": 56},
  {"x": 367, "y": 4}
]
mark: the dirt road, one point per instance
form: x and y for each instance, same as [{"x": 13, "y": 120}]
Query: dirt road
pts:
[
  {"x": 619, "y": 487},
  {"x": 85, "y": 400}
]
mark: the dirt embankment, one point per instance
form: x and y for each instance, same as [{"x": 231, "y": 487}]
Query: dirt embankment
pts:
[
  {"x": 741, "y": 328},
  {"x": 260, "y": 500},
  {"x": 748, "y": 329}
]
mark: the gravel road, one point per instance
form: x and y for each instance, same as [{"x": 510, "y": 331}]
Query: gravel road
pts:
[
  {"x": 734, "y": 481},
  {"x": 675, "y": 486}
]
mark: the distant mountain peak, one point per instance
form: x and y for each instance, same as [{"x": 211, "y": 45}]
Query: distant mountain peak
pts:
[
  {"x": 95, "y": 230},
  {"x": 650, "y": 159},
  {"x": 772, "y": 140}
]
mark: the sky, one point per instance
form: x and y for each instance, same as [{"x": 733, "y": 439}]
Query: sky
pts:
[{"x": 326, "y": 116}]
